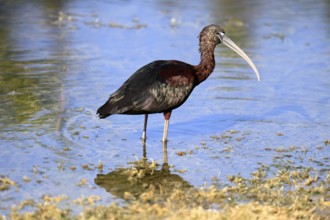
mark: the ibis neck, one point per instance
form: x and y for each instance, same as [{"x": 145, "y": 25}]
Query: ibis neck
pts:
[{"x": 206, "y": 65}]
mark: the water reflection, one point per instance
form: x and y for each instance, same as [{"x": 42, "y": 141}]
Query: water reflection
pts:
[
  {"x": 141, "y": 176},
  {"x": 32, "y": 66}
]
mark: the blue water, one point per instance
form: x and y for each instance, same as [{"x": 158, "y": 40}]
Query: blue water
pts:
[{"x": 60, "y": 62}]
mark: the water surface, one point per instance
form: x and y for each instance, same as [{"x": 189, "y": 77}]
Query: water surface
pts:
[{"x": 59, "y": 61}]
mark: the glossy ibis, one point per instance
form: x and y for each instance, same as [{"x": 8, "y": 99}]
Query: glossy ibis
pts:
[{"x": 163, "y": 85}]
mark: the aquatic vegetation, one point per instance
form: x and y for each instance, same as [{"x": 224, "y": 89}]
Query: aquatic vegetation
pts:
[
  {"x": 5, "y": 183},
  {"x": 287, "y": 194},
  {"x": 294, "y": 184}
]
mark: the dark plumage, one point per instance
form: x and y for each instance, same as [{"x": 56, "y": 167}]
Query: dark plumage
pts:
[
  {"x": 163, "y": 85},
  {"x": 159, "y": 86}
]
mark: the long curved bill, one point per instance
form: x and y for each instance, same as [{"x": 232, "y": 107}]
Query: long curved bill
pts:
[{"x": 229, "y": 43}]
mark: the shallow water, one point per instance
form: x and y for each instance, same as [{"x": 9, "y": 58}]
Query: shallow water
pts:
[{"x": 60, "y": 60}]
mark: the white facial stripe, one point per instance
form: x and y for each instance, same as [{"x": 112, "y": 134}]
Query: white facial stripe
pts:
[{"x": 220, "y": 37}]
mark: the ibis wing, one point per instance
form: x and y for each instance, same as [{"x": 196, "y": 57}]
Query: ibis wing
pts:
[{"x": 156, "y": 87}]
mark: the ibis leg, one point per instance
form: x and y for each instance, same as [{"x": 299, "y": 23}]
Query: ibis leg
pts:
[
  {"x": 167, "y": 116},
  {"x": 144, "y": 153},
  {"x": 165, "y": 167},
  {"x": 144, "y": 133},
  {"x": 165, "y": 131}
]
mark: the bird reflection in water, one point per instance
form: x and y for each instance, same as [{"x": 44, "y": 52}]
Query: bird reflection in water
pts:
[{"x": 140, "y": 177}]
